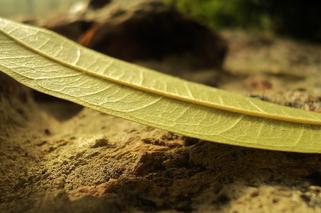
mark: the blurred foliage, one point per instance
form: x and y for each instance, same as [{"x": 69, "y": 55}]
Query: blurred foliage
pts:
[
  {"x": 223, "y": 13},
  {"x": 296, "y": 18}
]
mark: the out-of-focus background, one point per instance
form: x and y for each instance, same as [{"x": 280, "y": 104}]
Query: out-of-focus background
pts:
[
  {"x": 292, "y": 17},
  {"x": 39, "y": 8}
]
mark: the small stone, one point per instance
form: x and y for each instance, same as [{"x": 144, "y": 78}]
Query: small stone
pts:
[
  {"x": 100, "y": 143},
  {"x": 47, "y": 132}
]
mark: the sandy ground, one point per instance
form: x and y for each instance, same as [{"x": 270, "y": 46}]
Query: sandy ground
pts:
[{"x": 57, "y": 157}]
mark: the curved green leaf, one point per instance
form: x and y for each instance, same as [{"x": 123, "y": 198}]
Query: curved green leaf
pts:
[{"x": 54, "y": 65}]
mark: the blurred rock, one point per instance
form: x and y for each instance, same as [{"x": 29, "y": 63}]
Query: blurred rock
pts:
[
  {"x": 72, "y": 29},
  {"x": 152, "y": 30}
]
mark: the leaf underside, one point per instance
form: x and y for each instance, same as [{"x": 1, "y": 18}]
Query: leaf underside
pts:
[{"x": 56, "y": 66}]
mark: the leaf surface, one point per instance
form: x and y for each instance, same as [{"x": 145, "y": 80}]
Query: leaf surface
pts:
[{"x": 54, "y": 65}]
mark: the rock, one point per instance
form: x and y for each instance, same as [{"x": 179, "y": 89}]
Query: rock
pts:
[{"x": 153, "y": 30}]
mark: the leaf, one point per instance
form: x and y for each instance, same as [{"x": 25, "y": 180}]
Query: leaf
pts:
[{"x": 54, "y": 65}]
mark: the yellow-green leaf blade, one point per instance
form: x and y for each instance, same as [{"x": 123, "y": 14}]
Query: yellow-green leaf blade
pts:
[
  {"x": 51, "y": 64},
  {"x": 89, "y": 62}
]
